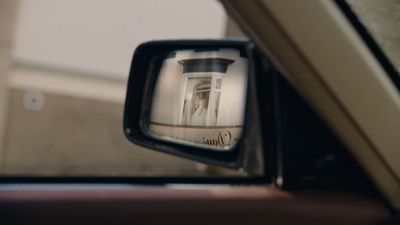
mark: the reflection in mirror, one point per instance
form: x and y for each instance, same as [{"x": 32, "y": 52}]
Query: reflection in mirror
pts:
[{"x": 199, "y": 98}]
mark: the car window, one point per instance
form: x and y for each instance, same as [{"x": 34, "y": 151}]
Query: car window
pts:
[
  {"x": 66, "y": 81},
  {"x": 378, "y": 23}
]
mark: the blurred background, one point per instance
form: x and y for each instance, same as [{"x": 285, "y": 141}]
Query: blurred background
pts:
[{"x": 64, "y": 66}]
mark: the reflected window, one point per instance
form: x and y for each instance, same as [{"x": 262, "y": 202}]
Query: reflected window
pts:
[{"x": 200, "y": 98}]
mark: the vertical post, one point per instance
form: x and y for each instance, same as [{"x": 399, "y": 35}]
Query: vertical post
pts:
[{"x": 8, "y": 11}]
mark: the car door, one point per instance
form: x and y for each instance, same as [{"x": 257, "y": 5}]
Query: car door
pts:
[
  {"x": 330, "y": 62},
  {"x": 272, "y": 29}
]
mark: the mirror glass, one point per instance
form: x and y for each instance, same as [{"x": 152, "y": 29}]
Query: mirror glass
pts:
[{"x": 199, "y": 98}]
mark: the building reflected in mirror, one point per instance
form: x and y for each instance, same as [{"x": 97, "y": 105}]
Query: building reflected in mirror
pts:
[{"x": 200, "y": 98}]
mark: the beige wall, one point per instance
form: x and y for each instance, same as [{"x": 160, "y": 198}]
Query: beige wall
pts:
[
  {"x": 68, "y": 121},
  {"x": 76, "y": 136},
  {"x": 64, "y": 134},
  {"x": 63, "y": 124},
  {"x": 99, "y": 36}
]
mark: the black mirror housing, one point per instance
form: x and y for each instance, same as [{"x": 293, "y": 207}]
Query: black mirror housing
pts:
[{"x": 247, "y": 151}]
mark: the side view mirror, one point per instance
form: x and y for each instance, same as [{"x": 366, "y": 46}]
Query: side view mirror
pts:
[
  {"x": 196, "y": 99},
  {"x": 221, "y": 102}
]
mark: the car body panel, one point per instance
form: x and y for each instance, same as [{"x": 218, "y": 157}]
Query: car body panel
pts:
[
  {"x": 323, "y": 57},
  {"x": 183, "y": 205}
]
